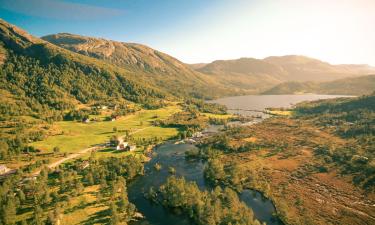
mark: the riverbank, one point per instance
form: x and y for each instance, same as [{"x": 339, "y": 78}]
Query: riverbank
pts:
[{"x": 172, "y": 155}]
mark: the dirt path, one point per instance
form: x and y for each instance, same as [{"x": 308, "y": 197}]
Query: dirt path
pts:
[
  {"x": 79, "y": 153},
  {"x": 71, "y": 156},
  {"x": 136, "y": 131}
]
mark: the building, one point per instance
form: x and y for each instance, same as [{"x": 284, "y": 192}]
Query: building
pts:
[
  {"x": 132, "y": 148},
  {"x": 197, "y": 135},
  {"x": 121, "y": 144},
  {"x": 3, "y": 169}
]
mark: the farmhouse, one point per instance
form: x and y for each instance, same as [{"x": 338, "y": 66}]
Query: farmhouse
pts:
[
  {"x": 3, "y": 169},
  {"x": 121, "y": 144}
]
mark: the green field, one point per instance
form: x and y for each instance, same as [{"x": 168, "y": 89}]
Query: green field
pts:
[
  {"x": 218, "y": 116},
  {"x": 76, "y": 135}
]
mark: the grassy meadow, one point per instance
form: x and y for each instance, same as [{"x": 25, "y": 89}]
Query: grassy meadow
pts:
[{"x": 73, "y": 136}]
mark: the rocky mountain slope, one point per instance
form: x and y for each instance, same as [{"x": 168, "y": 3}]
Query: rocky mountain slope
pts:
[{"x": 158, "y": 68}]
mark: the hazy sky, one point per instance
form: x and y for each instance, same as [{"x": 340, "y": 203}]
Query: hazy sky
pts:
[{"x": 337, "y": 31}]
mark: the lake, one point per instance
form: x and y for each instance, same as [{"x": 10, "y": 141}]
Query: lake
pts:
[{"x": 239, "y": 104}]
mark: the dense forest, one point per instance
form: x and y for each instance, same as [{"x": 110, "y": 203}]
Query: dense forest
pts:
[
  {"x": 215, "y": 207},
  {"x": 52, "y": 191}
]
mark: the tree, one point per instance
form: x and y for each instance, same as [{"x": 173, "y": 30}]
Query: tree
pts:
[
  {"x": 90, "y": 178},
  {"x": 79, "y": 187},
  {"x": 9, "y": 212},
  {"x": 56, "y": 150},
  {"x": 114, "y": 214},
  {"x": 38, "y": 215},
  {"x": 4, "y": 150},
  {"x": 114, "y": 141},
  {"x": 214, "y": 170},
  {"x": 54, "y": 217}
]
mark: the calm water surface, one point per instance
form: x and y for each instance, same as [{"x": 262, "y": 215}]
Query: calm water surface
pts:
[
  {"x": 169, "y": 154},
  {"x": 239, "y": 104}
]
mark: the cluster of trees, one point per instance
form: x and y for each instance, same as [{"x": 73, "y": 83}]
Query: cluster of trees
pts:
[
  {"x": 229, "y": 175},
  {"x": 110, "y": 168},
  {"x": 204, "y": 207},
  {"x": 77, "y": 115},
  {"x": 221, "y": 142},
  {"x": 218, "y": 121},
  {"x": 14, "y": 146},
  {"x": 52, "y": 191},
  {"x": 350, "y": 117},
  {"x": 204, "y": 107},
  {"x": 185, "y": 121}
]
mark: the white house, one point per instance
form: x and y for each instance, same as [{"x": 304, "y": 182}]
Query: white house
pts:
[{"x": 121, "y": 145}]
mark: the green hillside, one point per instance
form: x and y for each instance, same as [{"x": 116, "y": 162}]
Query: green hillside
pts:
[
  {"x": 157, "y": 68},
  {"x": 45, "y": 77}
]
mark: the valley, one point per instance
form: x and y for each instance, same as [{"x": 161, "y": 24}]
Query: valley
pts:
[{"x": 96, "y": 131}]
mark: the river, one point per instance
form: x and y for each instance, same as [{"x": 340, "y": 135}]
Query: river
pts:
[{"x": 172, "y": 155}]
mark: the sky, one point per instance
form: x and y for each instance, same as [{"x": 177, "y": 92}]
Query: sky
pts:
[{"x": 194, "y": 31}]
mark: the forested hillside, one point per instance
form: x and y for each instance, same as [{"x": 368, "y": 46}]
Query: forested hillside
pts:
[
  {"x": 45, "y": 77},
  {"x": 157, "y": 68}
]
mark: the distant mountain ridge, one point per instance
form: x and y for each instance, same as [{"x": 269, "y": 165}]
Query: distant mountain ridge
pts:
[
  {"x": 362, "y": 85},
  {"x": 262, "y": 74}
]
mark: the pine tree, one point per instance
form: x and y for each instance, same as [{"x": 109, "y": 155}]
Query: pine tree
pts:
[
  {"x": 114, "y": 214},
  {"x": 38, "y": 215}
]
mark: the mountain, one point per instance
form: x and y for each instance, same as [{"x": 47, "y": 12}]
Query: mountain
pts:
[
  {"x": 347, "y": 86},
  {"x": 302, "y": 68},
  {"x": 40, "y": 77},
  {"x": 261, "y": 74},
  {"x": 251, "y": 74},
  {"x": 196, "y": 66},
  {"x": 37, "y": 76},
  {"x": 156, "y": 67}
]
